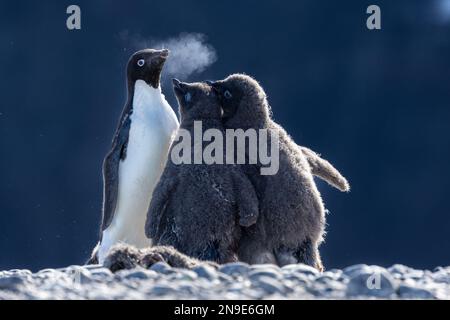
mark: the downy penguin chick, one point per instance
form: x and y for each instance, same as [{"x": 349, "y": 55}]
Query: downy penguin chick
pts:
[
  {"x": 292, "y": 214},
  {"x": 137, "y": 156},
  {"x": 125, "y": 256},
  {"x": 199, "y": 208}
]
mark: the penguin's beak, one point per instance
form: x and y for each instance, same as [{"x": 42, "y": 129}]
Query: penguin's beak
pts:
[
  {"x": 160, "y": 57},
  {"x": 178, "y": 86},
  {"x": 214, "y": 85},
  {"x": 164, "y": 53},
  {"x": 176, "y": 83}
]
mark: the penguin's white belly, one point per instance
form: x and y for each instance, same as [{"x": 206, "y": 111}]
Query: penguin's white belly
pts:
[
  {"x": 138, "y": 174},
  {"x": 151, "y": 132}
]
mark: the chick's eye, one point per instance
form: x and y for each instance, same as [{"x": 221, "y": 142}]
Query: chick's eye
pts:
[
  {"x": 141, "y": 62},
  {"x": 187, "y": 97},
  {"x": 227, "y": 94}
]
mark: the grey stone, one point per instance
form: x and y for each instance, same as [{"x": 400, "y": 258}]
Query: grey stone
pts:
[
  {"x": 235, "y": 269},
  {"x": 371, "y": 282},
  {"x": 162, "y": 267},
  {"x": 254, "y": 274},
  {"x": 186, "y": 287},
  {"x": 92, "y": 267},
  {"x": 402, "y": 272},
  {"x": 162, "y": 290},
  {"x": 300, "y": 268},
  {"x": 297, "y": 278},
  {"x": 333, "y": 274},
  {"x": 444, "y": 270},
  {"x": 409, "y": 292},
  {"x": 441, "y": 276},
  {"x": 224, "y": 278},
  {"x": 138, "y": 274},
  {"x": 336, "y": 272},
  {"x": 269, "y": 285},
  {"x": 324, "y": 278},
  {"x": 11, "y": 282},
  {"x": 264, "y": 266},
  {"x": 101, "y": 273},
  {"x": 399, "y": 269},
  {"x": 184, "y": 274},
  {"x": 355, "y": 269},
  {"x": 78, "y": 274},
  {"x": 181, "y": 275},
  {"x": 19, "y": 272},
  {"x": 238, "y": 285},
  {"x": 51, "y": 270},
  {"x": 206, "y": 272}
]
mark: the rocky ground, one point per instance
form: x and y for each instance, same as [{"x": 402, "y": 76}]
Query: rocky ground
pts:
[{"x": 230, "y": 281}]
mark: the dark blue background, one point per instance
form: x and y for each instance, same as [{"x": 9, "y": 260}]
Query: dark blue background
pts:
[{"x": 375, "y": 103}]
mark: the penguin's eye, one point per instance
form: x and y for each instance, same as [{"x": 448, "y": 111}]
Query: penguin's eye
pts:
[
  {"x": 227, "y": 94},
  {"x": 188, "y": 97},
  {"x": 141, "y": 62}
]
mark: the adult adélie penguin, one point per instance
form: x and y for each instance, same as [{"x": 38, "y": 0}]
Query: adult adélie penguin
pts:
[{"x": 137, "y": 156}]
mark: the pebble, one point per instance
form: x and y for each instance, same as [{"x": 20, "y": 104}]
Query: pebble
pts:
[
  {"x": 442, "y": 276},
  {"x": 206, "y": 272},
  {"x": 78, "y": 274},
  {"x": 255, "y": 274},
  {"x": 269, "y": 285},
  {"x": 162, "y": 267},
  {"x": 91, "y": 267},
  {"x": 101, "y": 274},
  {"x": 11, "y": 282},
  {"x": 225, "y": 278},
  {"x": 371, "y": 282},
  {"x": 300, "y": 268},
  {"x": 183, "y": 274},
  {"x": 325, "y": 278},
  {"x": 297, "y": 278},
  {"x": 399, "y": 269},
  {"x": 138, "y": 274},
  {"x": 235, "y": 269},
  {"x": 16, "y": 272},
  {"x": 409, "y": 292},
  {"x": 355, "y": 269},
  {"x": 160, "y": 290}
]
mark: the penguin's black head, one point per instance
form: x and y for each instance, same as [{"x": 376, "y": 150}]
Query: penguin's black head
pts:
[
  {"x": 196, "y": 101},
  {"x": 147, "y": 65},
  {"x": 243, "y": 101}
]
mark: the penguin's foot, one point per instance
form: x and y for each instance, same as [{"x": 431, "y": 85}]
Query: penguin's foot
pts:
[
  {"x": 285, "y": 257},
  {"x": 306, "y": 253},
  {"x": 93, "y": 259}
]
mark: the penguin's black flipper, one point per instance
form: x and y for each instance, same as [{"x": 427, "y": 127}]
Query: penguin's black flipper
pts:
[
  {"x": 111, "y": 172},
  {"x": 110, "y": 187},
  {"x": 92, "y": 260}
]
